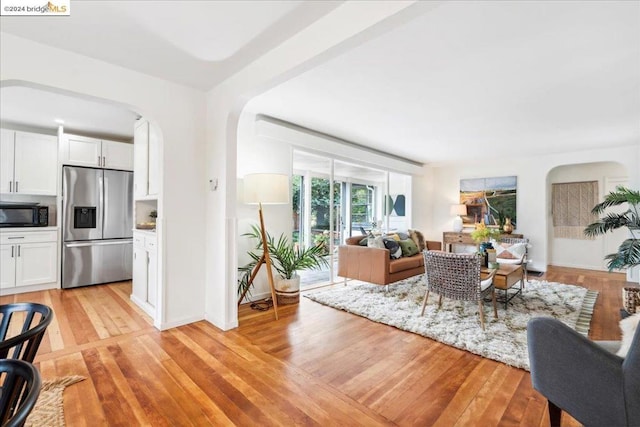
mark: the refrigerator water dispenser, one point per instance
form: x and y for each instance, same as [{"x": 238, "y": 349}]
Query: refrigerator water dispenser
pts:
[{"x": 84, "y": 217}]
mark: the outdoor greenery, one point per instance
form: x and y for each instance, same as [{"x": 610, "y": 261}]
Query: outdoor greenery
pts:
[
  {"x": 361, "y": 208},
  {"x": 628, "y": 254},
  {"x": 286, "y": 257}
]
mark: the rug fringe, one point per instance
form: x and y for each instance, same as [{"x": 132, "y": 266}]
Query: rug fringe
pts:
[
  {"x": 583, "y": 324},
  {"x": 64, "y": 381}
]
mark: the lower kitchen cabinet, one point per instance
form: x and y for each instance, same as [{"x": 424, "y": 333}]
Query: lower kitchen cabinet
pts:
[
  {"x": 26, "y": 259},
  {"x": 145, "y": 271}
]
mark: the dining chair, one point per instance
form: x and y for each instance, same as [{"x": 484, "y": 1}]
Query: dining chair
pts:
[
  {"x": 20, "y": 385},
  {"x": 22, "y": 327}
]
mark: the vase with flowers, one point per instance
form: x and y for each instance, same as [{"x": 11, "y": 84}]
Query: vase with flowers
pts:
[{"x": 482, "y": 236}]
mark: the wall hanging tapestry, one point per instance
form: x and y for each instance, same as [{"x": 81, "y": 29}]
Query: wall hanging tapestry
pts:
[{"x": 571, "y": 204}]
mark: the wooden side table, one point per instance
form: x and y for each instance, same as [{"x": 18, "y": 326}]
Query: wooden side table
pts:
[
  {"x": 464, "y": 238},
  {"x": 505, "y": 278}
]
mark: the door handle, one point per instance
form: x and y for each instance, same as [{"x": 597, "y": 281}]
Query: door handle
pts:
[
  {"x": 10, "y": 186},
  {"x": 104, "y": 161},
  {"x": 16, "y": 187},
  {"x": 97, "y": 243},
  {"x": 15, "y": 237},
  {"x": 18, "y": 250},
  {"x": 12, "y": 248}
]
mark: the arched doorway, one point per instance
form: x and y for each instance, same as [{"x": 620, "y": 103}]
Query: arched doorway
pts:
[{"x": 576, "y": 252}]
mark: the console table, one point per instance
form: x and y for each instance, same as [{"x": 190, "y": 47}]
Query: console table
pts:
[{"x": 463, "y": 238}]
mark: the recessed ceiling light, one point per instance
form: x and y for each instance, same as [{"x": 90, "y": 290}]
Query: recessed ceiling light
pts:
[{"x": 59, "y": 121}]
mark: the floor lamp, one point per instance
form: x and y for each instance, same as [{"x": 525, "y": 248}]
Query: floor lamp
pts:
[{"x": 265, "y": 189}]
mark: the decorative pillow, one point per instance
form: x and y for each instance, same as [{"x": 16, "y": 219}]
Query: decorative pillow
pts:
[
  {"x": 409, "y": 248},
  {"x": 509, "y": 251},
  {"x": 364, "y": 242},
  {"x": 418, "y": 239},
  {"x": 628, "y": 327},
  {"x": 403, "y": 236},
  {"x": 394, "y": 247},
  {"x": 376, "y": 242}
]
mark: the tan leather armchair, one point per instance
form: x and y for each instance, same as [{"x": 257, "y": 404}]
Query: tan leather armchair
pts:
[{"x": 373, "y": 265}]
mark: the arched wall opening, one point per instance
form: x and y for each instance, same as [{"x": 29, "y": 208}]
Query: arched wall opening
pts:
[
  {"x": 50, "y": 128},
  {"x": 584, "y": 253}
]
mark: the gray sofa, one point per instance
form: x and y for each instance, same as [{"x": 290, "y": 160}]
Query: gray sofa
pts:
[{"x": 582, "y": 378}]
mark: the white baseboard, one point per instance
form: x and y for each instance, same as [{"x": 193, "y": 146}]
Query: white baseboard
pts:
[
  {"x": 225, "y": 326},
  {"x": 145, "y": 306},
  {"x": 257, "y": 297},
  {"x": 31, "y": 288},
  {"x": 180, "y": 322},
  {"x": 582, "y": 266}
]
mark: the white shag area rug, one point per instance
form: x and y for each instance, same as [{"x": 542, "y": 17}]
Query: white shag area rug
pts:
[{"x": 457, "y": 323}]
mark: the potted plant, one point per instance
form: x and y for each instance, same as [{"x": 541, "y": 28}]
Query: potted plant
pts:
[
  {"x": 482, "y": 233},
  {"x": 628, "y": 254},
  {"x": 286, "y": 259}
]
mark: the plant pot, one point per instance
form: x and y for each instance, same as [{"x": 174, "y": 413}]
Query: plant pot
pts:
[
  {"x": 483, "y": 251},
  {"x": 287, "y": 290}
]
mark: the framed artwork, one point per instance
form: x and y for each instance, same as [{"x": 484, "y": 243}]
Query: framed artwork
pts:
[
  {"x": 489, "y": 199},
  {"x": 396, "y": 205}
]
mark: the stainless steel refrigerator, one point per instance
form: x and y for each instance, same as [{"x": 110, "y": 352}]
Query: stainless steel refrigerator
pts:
[{"x": 97, "y": 223}]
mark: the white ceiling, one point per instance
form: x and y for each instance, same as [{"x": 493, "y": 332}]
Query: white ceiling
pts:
[
  {"x": 463, "y": 78},
  {"x": 480, "y": 78},
  {"x": 28, "y": 106}
]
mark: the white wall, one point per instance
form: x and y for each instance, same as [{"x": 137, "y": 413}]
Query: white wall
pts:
[
  {"x": 573, "y": 252},
  {"x": 439, "y": 187},
  {"x": 260, "y": 155},
  {"x": 336, "y": 32},
  {"x": 179, "y": 113}
]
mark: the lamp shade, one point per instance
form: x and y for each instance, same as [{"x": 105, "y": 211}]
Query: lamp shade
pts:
[
  {"x": 266, "y": 188},
  {"x": 458, "y": 209}
]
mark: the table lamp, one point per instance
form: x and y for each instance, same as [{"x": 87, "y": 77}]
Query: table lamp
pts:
[
  {"x": 458, "y": 210},
  {"x": 265, "y": 189}
]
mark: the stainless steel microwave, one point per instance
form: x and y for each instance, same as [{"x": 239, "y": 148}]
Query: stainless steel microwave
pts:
[{"x": 23, "y": 215}]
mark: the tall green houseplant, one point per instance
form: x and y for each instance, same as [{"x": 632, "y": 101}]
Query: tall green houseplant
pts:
[
  {"x": 628, "y": 254},
  {"x": 286, "y": 258}
]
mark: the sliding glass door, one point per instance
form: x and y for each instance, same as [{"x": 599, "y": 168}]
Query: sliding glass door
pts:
[{"x": 333, "y": 200}]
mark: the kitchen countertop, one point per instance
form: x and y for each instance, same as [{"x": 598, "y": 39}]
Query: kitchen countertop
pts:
[
  {"x": 26, "y": 229},
  {"x": 151, "y": 232}
]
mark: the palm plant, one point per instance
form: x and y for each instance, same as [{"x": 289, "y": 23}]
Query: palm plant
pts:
[
  {"x": 286, "y": 258},
  {"x": 628, "y": 254}
]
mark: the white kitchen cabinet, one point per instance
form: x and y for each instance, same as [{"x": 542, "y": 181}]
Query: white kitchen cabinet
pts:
[
  {"x": 117, "y": 155},
  {"x": 140, "y": 270},
  {"x": 28, "y": 163},
  {"x": 28, "y": 258},
  {"x": 7, "y": 266},
  {"x": 145, "y": 271},
  {"x": 141, "y": 159},
  {"x": 99, "y": 153},
  {"x": 154, "y": 161},
  {"x": 152, "y": 271},
  {"x": 146, "y": 160}
]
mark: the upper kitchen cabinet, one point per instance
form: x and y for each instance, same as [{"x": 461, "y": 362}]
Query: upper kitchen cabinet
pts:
[
  {"x": 146, "y": 161},
  {"x": 85, "y": 151},
  {"x": 28, "y": 163}
]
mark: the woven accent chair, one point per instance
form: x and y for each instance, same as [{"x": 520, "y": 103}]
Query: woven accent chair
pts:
[
  {"x": 522, "y": 261},
  {"x": 457, "y": 276}
]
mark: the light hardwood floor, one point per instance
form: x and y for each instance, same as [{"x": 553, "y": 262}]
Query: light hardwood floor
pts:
[{"x": 314, "y": 366}]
